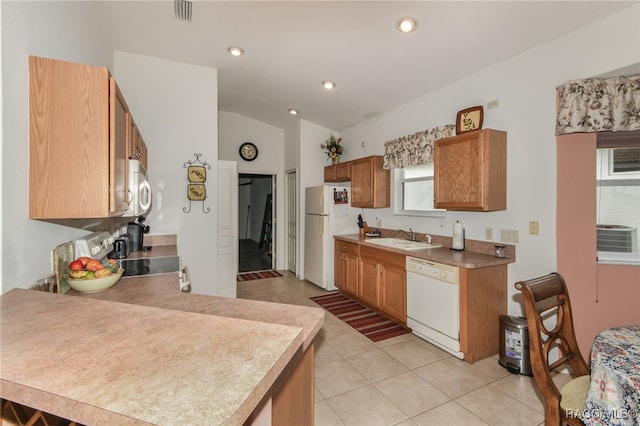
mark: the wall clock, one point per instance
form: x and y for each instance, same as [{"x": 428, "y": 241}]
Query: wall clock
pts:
[
  {"x": 248, "y": 151},
  {"x": 469, "y": 119}
]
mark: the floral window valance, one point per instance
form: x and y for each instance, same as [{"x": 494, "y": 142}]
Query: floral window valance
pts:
[
  {"x": 599, "y": 105},
  {"x": 414, "y": 149}
]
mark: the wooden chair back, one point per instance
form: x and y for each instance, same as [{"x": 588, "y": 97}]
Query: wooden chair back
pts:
[{"x": 543, "y": 297}]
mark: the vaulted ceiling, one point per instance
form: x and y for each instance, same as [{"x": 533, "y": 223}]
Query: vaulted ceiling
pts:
[{"x": 291, "y": 47}]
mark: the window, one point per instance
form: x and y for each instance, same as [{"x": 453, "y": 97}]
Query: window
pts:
[
  {"x": 413, "y": 191},
  {"x": 618, "y": 198}
]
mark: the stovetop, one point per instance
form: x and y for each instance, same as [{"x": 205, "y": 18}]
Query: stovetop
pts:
[{"x": 150, "y": 266}]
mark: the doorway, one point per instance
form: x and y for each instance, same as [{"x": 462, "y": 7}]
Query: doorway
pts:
[{"x": 255, "y": 222}]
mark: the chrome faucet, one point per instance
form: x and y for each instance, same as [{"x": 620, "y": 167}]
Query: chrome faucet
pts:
[
  {"x": 428, "y": 239},
  {"x": 412, "y": 236}
]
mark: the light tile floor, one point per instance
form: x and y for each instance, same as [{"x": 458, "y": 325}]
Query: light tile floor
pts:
[{"x": 404, "y": 380}]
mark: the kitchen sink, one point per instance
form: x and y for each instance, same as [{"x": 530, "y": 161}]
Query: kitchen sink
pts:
[{"x": 399, "y": 243}]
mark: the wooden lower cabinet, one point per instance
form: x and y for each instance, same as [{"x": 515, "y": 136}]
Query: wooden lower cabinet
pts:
[
  {"x": 293, "y": 399},
  {"x": 346, "y": 267},
  {"x": 380, "y": 282},
  {"x": 483, "y": 298},
  {"x": 368, "y": 288},
  {"x": 383, "y": 282},
  {"x": 393, "y": 291},
  {"x": 290, "y": 401}
]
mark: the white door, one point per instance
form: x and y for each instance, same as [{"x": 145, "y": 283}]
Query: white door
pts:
[
  {"x": 227, "y": 228},
  {"x": 292, "y": 222}
]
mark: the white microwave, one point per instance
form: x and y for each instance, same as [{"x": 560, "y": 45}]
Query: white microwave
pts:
[{"x": 139, "y": 190}]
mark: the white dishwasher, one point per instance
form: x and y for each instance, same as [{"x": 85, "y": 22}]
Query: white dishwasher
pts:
[{"x": 433, "y": 303}]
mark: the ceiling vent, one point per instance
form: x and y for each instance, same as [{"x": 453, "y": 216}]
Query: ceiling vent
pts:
[{"x": 182, "y": 9}]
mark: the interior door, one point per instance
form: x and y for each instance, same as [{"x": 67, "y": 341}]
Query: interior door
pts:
[
  {"x": 292, "y": 222},
  {"x": 227, "y": 228}
]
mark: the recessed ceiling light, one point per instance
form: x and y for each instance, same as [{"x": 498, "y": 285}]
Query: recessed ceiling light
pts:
[
  {"x": 235, "y": 51},
  {"x": 293, "y": 111},
  {"x": 406, "y": 25},
  {"x": 328, "y": 84}
]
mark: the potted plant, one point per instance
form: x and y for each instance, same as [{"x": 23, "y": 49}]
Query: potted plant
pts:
[{"x": 333, "y": 149}]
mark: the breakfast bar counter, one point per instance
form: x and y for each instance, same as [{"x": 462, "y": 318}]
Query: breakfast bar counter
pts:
[
  {"x": 161, "y": 357},
  {"x": 162, "y": 291}
]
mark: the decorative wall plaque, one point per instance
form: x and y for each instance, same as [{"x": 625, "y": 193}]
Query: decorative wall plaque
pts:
[
  {"x": 196, "y": 192},
  {"x": 469, "y": 119},
  {"x": 196, "y": 176}
]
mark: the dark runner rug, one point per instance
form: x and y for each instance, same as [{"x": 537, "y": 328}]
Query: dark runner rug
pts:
[
  {"x": 259, "y": 275},
  {"x": 370, "y": 323}
]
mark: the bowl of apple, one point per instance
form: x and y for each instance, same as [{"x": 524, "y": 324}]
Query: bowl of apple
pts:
[{"x": 88, "y": 275}]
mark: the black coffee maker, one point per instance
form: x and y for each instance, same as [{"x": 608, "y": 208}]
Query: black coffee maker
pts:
[{"x": 135, "y": 232}]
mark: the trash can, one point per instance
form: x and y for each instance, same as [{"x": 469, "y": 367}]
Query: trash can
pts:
[{"x": 514, "y": 345}]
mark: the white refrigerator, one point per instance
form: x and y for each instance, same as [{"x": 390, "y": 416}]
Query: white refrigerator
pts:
[{"x": 327, "y": 213}]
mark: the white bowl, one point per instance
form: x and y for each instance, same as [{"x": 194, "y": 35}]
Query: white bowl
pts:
[{"x": 94, "y": 285}]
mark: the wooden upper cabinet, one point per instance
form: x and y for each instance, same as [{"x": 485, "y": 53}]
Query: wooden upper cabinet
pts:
[
  {"x": 340, "y": 172},
  {"x": 118, "y": 151},
  {"x": 370, "y": 183},
  {"x": 137, "y": 147},
  {"x": 78, "y": 154},
  {"x": 470, "y": 171}
]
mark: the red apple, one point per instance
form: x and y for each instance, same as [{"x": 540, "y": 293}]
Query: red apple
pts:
[{"x": 76, "y": 265}]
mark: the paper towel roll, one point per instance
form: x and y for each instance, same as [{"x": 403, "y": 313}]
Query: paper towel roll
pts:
[{"x": 458, "y": 236}]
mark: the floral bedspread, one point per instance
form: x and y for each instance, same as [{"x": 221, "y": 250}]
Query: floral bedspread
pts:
[{"x": 614, "y": 392}]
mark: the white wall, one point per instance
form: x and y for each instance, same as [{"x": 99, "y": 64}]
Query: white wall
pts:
[
  {"x": 176, "y": 108},
  {"x": 50, "y": 30},
  {"x": 525, "y": 86},
  {"x": 1, "y": 164},
  {"x": 236, "y": 129},
  {"x": 292, "y": 145}
]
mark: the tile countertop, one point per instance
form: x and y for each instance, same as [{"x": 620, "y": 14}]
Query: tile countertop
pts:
[
  {"x": 142, "y": 352},
  {"x": 465, "y": 259}
]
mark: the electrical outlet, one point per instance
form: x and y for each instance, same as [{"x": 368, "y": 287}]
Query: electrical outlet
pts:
[
  {"x": 509, "y": 236},
  {"x": 378, "y": 222},
  {"x": 534, "y": 227},
  {"x": 363, "y": 144},
  {"x": 488, "y": 233}
]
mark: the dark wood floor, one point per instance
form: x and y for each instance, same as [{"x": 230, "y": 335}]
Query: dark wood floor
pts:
[{"x": 252, "y": 258}]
